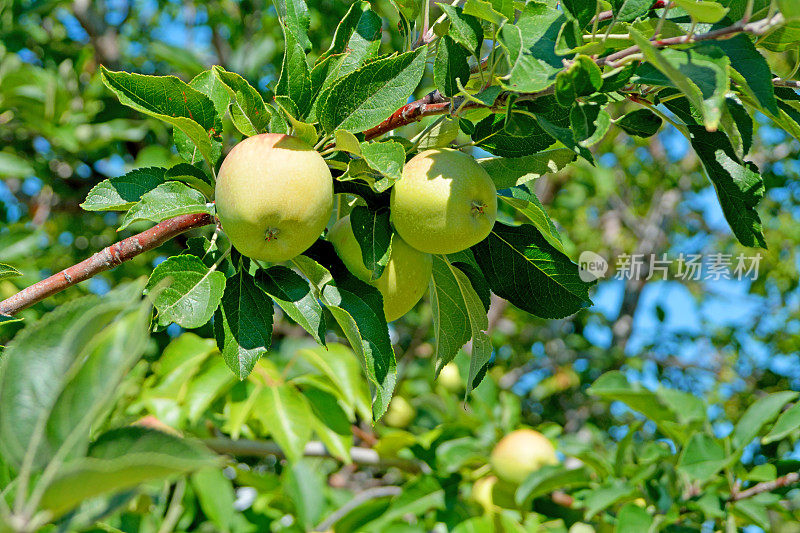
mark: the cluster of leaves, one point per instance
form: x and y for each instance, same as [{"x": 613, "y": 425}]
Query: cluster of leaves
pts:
[
  {"x": 710, "y": 85},
  {"x": 305, "y": 399},
  {"x": 537, "y": 105}
]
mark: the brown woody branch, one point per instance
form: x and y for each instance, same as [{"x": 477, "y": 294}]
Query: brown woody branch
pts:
[
  {"x": 766, "y": 486},
  {"x": 434, "y": 103},
  {"x": 105, "y": 259}
]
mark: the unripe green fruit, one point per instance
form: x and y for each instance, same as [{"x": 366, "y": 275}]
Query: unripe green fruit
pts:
[
  {"x": 450, "y": 378},
  {"x": 520, "y": 453},
  {"x": 274, "y": 196},
  {"x": 482, "y": 492},
  {"x": 400, "y": 413},
  {"x": 445, "y": 202},
  {"x": 404, "y": 279},
  {"x": 580, "y": 527}
]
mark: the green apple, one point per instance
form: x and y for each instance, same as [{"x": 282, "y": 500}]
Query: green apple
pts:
[
  {"x": 482, "y": 492},
  {"x": 450, "y": 378},
  {"x": 580, "y": 527},
  {"x": 404, "y": 279},
  {"x": 400, "y": 413},
  {"x": 274, "y": 196},
  {"x": 520, "y": 453},
  {"x": 444, "y": 202}
]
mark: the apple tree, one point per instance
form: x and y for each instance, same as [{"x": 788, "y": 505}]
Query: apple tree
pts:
[{"x": 332, "y": 202}]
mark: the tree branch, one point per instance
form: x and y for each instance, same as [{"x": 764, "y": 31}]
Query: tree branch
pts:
[
  {"x": 766, "y": 486},
  {"x": 359, "y": 455},
  {"x": 106, "y": 259},
  {"x": 434, "y": 103}
]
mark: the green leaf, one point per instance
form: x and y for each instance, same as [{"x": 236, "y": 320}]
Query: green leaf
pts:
[
  {"x": 787, "y": 422},
  {"x": 701, "y": 73},
  {"x": 374, "y": 236},
  {"x": 59, "y": 373},
  {"x": 304, "y": 485},
  {"x": 567, "y": 136},
  {"x": 216, "y": 497},
  {"x": 330, "y": 421},
  {"x": 409, "y": 9},
  {"x": 629, "y": 10},
  {"x": 295, "y": 78},
  {"x": 465, "y": 29},
  {"x": 210, "y": 254},
  {"x": 550, "y": 478},
  {"x": 296, "y": 19},
  {"x": 304, "y": 130},
  {"x": 122, "y": 192},
  {"x": 605, "y": 497},
  {"x": 341, "y": 366},
  {"x": 347, "y": 142},
  {"x": 761, "y": 412},
  {"x": 484, "y": 10},
  {"x": 583, "y": 77},
  {"x": 191, "y": 176},
  {"x": 169, "y": 99},
  {"x": 190, "y": 294},
  {"x": 640, "y": 122},
  {"x": 285, "y": 413},
  {"x": 589, "y": 123},
  {"x": 756, "y": 509},
  {"x": 14, "y": 166},
  {"x": 440, "y": 135},
  {"x": 490, "y": 134},
  {"x": 7, "y": 271},
  {"x": 418, "y": 496},
  {"x": 450, "y": 65},
  {"x": 789, "y": 9},
  {"x": 581, "y": 10},
  {"x": 209, "y": 383},
  {"x": 249, "y": 113},
  {"x": 633, "y": 519},
  {"x": 703, "y": 10},
  {"x": 357, "y": 40},
  {"x": 509, "y": 172},
  {"x": 522, "y": 199},
  {"x": 525, "y": 269},
  {"x": 122, "y": 459},
  {"x": 738, "y": 185},
  {"x": 358, "y": 308},
  {"x": 530, "y": 46},
  {"x": 753, "y": 67},
  {"x": 293, "y": 294},
  {"x": 243, "y": 324},
  {"x": 365, "y": 97},
  {"x": 702, "y": 458},
  {"x": 386, "y": 157},
  {"x": 209, "y": 84},
  {"x": 458, "y": 316},
  {"x": 657, "y": 406},
  {"x": 168, "y": 200}
]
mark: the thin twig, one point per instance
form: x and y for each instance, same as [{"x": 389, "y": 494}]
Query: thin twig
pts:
[
  {"x": 766, "y": 486},
  {"x": 105, "y": 259},
  {"x": 359, "y": 455}
]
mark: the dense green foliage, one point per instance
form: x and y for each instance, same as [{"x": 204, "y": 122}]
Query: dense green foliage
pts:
[{"x": 598, "y": 134}]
